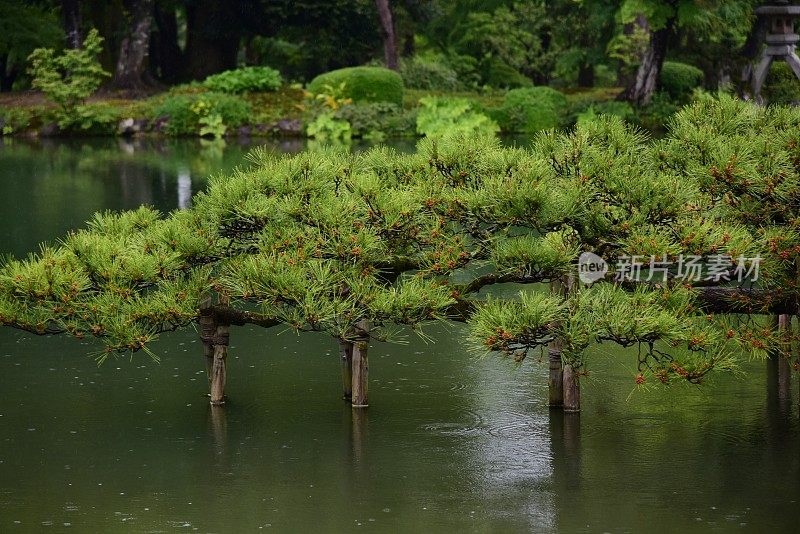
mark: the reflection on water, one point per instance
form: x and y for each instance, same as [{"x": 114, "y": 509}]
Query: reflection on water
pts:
[{"x": 450, "y": 442}]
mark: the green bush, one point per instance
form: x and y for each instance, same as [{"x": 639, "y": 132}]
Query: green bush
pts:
[
  {"x": 532, "y": 109},
  {"x": 503, "y": 76},
  {"x": 188, "y": 113},
  {"x": 70, "y": 77},
  {"x": 678, "y": 80},
  {"x": 369, "y": 120},
  {"x": 420, "y": 73},
  {"x": 98, "y": 118},
  {"x": 245, "y": 80},
  {"x": 362, "y": 84},
  {"x": 782, "y": 86},
  {"x": 15, "y": 120},
  {"x": 442, "y": 117}
]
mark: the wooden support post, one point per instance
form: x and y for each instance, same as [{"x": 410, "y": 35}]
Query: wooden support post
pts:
[
  {"x": 361, "y": 367},
  {"x": 572, "y": 390},
  {"x": 346, "y": 354},
  {"x": 555, "y": 384},
  {"x": 784, "y": 367},
  {"x": 218, "y": 367}
]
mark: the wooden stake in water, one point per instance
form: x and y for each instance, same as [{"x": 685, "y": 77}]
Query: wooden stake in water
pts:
[
  {"x": 361, "y": 367},
  {"x": 572, "y": 390}
]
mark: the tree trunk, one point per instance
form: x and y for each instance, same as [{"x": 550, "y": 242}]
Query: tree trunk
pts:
[
  {"x": 134, "y": 49},
  {"x": 213, "y": 32},
  {"x": 640, "y": 91},
  {"x": 586, "y": 75},
  {"x": 6, "y": 77},
  {"x": 555, "y": 383},
  {"x": 71, "y": 18},
  {"x": 165, "y": 54},
  {"x": 389, "y": 40}
]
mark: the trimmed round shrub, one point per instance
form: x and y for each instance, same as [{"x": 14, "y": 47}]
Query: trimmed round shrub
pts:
[
  {"x": 244, "y": 80},
  {"x": 504, "y": 76},
  {"x": 418, "y": 73},
  {"x": 362, "y": 84},
  {"x": 678, "y": 80},
  {"x": 782, "y": 86},
  {"x": 184, "y": 111},
  {"x": 531, "y": 109}
]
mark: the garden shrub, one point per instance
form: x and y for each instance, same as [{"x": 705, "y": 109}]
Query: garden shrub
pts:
[
  {"x": 362, "y": 84},
  {"x": 678, "y": 80},
  {"x": 98, "y": 118},
  {"x": 245, "y": 80},
  {"x": 782, "y": 86},
  {"x": 185, "y": 111},
  {"x": 532, "y": 109},
  {"x": 441, "y": 117},
  {"x": 502, "y": 75},
  {"x": 432, "y": 75},
  {"x": 15, "y": 119},
  {"x": 368, "y": 119}
]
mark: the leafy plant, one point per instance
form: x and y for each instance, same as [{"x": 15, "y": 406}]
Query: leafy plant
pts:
[
  {"x": 71, "y": 77},
  {"x": 442, "y": 117},
  {"x": 326, "y": 127},
  {"x": 244, "y": 80}
]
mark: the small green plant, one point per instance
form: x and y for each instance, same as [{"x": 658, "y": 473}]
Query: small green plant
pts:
[
  {"x": 326, "y": 127},
  {"x": 212, "y": 125},
  {"x": 187, "y": 114},
  {"x": 362, "y": 84},
  {"x": 441, "y": 117},
  {"x": 245, "y": 80},
  {"x": 71, "y": 77}
]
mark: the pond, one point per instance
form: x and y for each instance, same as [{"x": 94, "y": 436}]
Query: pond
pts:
[{"x": 451, "y": 441}]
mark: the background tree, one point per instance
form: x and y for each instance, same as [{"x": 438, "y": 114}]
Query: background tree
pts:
[{"x": 24, "y": 28}]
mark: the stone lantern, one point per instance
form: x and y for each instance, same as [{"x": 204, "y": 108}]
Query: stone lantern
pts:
[{"x": 781, "y": 42}]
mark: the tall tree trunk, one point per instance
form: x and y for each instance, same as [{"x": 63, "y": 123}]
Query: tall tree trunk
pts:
[
  {"x": 644, "y": 84},
  {"x": 6, "y": 77},
  {"x": 71, "y": 18},
  {"x": 212, "y": 37},
  {"x": 165, "y": 54},
  {"x": 389, "y": 40},
  {"x": 586, "y": 75},
  {"x": 135, "y": 47}
]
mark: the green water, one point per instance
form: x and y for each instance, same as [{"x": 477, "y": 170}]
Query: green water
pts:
[{"x": 450, "y": 442}]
